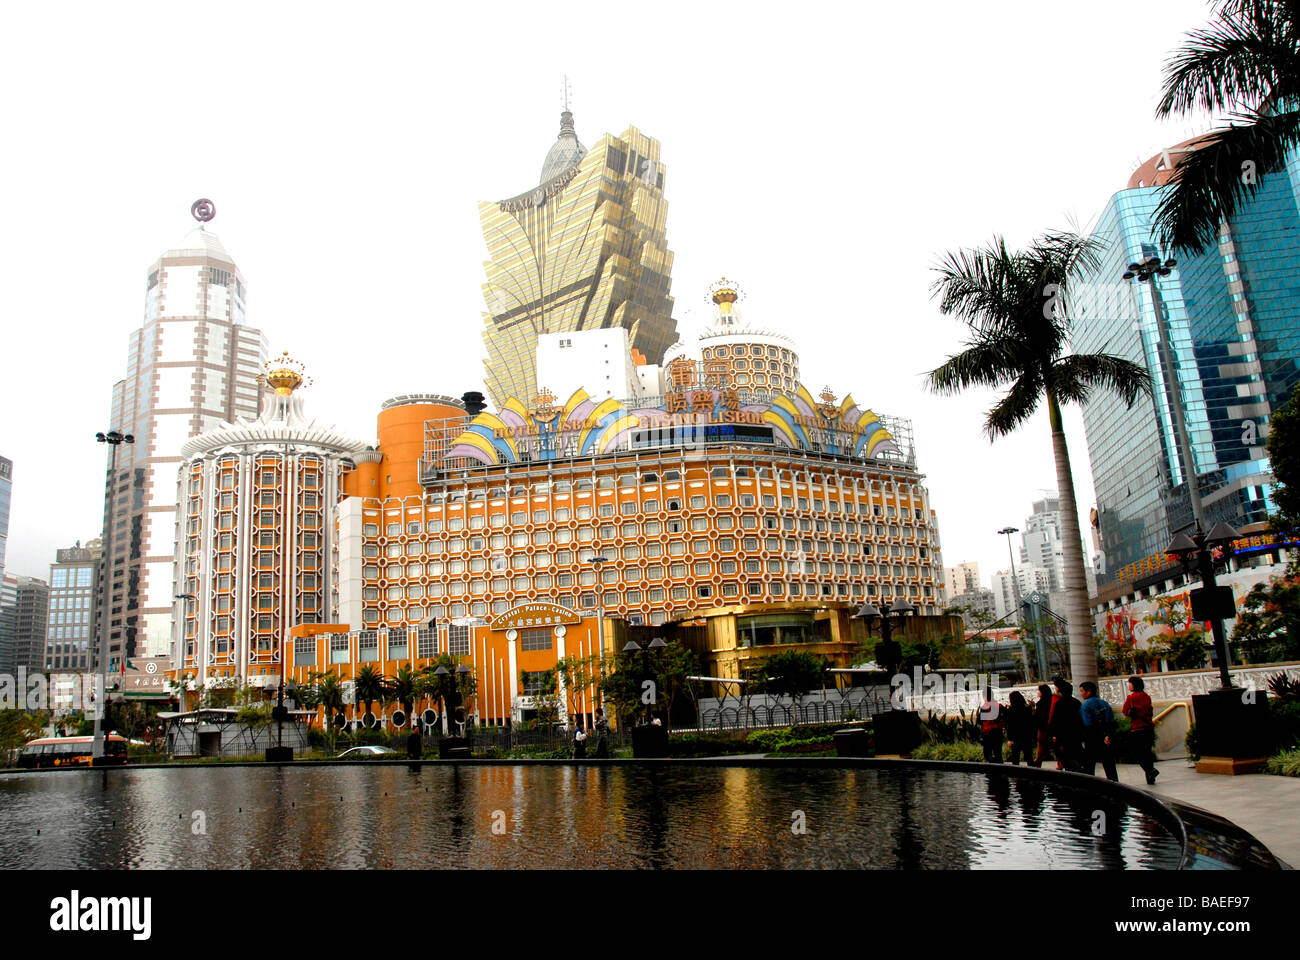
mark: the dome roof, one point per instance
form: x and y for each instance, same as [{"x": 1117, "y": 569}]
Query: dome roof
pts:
[
  {"x": 199, "y": 243},
  {"x": 565, "y": 152}
]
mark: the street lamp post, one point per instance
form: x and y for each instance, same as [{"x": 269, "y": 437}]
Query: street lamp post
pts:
[
  {"x": 1210, "y": 602},
  {"x": 1146, "y": 272},
  {"x": 897, "y": 730},
  {"x": 1015, "y": 592},
  {"x": 114, "y": 439}
]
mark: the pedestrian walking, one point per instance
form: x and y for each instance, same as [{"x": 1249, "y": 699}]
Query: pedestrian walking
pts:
[
  {"x": 1043, "y": 713},
  {"x": 1065, "y": 724},
  {"x": 1142, "y": 731},
  {"x": 1098, "y": 726},
  {"x": 992, "y": 723},
  {"x": 602, "y": 735},
  {"x": 1022, "y": 730},
  {"x": 579, "y": 743}
]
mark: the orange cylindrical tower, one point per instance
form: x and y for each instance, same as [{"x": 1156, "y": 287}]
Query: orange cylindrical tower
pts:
[{"x": 401, "y": 439}]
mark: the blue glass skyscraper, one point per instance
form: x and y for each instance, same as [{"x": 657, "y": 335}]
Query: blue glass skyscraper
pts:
[{"x": 1233, "y": 323}]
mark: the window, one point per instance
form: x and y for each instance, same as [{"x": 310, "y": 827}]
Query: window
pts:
[
  {"x": 457, "y": 640},
  {"x": 368, "y": 646},
  {"x": 539, "y": 639},
  {"x": 535, "y": 683}
]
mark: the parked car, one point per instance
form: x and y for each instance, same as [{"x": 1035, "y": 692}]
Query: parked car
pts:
[{"x": 358, "y": 753}]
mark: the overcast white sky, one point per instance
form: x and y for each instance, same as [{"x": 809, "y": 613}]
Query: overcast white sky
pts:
[{"x": 823, "y": 154}]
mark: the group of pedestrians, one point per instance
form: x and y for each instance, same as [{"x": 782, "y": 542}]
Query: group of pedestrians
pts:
[
  {"x": 1078, "y": 734},
  {"x": 601, "y": 728}
]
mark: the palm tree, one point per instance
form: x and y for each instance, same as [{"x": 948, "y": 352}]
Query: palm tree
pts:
[
  {"x": 1246, "y": 64},
  {"x": 328, "y": 693},
  {"x": 370, "y": 685},
  {"x": 404, "y": 689},
  {"x": 1019, "y": 339}
]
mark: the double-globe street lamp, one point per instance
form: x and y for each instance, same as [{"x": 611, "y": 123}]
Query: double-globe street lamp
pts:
[
  {"x": 114, "y": 439},
  {"x": 897, "y": 730}
]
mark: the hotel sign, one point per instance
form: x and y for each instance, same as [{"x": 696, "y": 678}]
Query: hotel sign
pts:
[{"x": 540, "y": 614}]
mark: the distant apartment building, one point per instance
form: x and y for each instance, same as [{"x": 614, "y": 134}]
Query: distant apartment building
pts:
[
  {"x": 22, "y": 624},
  {"x": 1029, "y": 578},
  {"x": 70, "y": 631},
  {"x": 962, "y": 578},
  {"x": 6, "y": 493}
]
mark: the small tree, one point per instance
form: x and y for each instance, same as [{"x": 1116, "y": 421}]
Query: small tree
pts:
[
  {"x": 329, "y": 695},
  {"x": 1268, "y": 625},
  {"x": 621, "y": 687},
  {"x": 793, "y": 674}
]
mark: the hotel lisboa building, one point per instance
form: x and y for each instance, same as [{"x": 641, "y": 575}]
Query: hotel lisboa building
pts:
[{"x": 711, "y": 499}]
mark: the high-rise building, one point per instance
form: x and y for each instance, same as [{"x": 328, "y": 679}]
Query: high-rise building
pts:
[
  {"x": 257, "y": 547},
  {"x": 585, "y": 249},
  {"x": 1030, "y": 579},
  {"x": 22, "y": 625},
  {"x": 70, "y": 632},
  {"x": 191, "y": 366},
  {"x": 960, "y": 579},
  {"x": 1235, "y": 347},
  {"x": 6, "y": 495},
  {"x": 1041, "y": 544}
]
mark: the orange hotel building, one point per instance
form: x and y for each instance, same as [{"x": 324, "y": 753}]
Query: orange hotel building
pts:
[{"x": 742, "y": 521}]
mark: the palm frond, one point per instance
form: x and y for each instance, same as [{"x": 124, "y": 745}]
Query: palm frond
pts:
[
  {"x": 1234, "y": 64},
  {"x": 1016, "y": 407},
  {"x": 1072, "y": 379},
  {"x": 1210, "y": 184},
  {"x": 972, "y": 284},
  {"x": 988, "y": 361}
]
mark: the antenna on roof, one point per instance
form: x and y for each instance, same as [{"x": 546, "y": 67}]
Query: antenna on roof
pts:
[{"x": 566, "y": 92}]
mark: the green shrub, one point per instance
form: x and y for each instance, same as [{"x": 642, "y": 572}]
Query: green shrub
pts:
[
  {"x": 1284, "y": 724},
  {"x": 1193, "y": 747},
  {"x": 962, "y": 751},
  {"x": 964, "y": 728},
  {"x": 1285, "y": 764}
]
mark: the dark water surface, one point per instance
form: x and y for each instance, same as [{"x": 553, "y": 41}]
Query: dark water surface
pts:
[{"x": 563, "y": 816}]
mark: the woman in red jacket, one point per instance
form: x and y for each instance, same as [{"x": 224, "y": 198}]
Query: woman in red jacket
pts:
[{"x": 1137, "y": 707}]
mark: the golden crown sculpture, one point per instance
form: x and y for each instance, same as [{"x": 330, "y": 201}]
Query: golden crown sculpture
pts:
[
  {"x": 285, "y": 374},
  {"x": 725, "y": 293},
  {"x": 828, "y": 408},
  {"x": 544, "y": 409}
]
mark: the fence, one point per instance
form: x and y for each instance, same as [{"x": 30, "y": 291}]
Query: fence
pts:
[{"x": 738, "y": 715}]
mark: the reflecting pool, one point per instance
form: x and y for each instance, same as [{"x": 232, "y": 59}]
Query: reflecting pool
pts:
[{"x": 566, "y": 816}]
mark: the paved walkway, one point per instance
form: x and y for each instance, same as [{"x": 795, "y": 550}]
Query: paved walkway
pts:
[{"x": 1267, "y": 806}]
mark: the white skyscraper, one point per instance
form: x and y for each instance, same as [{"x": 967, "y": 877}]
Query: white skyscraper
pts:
[{"x": 191, "y": 366}]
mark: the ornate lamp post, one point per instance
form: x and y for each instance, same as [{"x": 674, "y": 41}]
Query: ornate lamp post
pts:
[
  {"x": 1231, "y": 723},
  {"x": 648, "y": 740},
  {"x": 889, "y": 653},
  {"x": 898, "y": 730},
  {"x": 114, "y": 439},
  {"x": 1211, "y": 602}
]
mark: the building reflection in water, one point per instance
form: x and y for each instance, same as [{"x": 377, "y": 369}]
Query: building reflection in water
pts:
[{"x": 564, "y": 815}]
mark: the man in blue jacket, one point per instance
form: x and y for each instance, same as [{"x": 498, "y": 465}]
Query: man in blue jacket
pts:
[{"x": 1098, "y": 725}]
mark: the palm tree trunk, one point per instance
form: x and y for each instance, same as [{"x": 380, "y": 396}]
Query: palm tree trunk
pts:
[{"x": 1083, "y": 655}]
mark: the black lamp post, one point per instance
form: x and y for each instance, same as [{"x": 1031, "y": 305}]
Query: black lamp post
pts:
[
  {"x": 889, "y": 653},
  {"x": 1211, "y": 602},
  {"x": 648, "y": 740},
  {"x": 114, "y": 439},
  {"x": 897, "y": 730}
]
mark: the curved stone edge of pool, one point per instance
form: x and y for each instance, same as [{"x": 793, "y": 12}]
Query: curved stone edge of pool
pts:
[{"x": 1208, "y": 841}]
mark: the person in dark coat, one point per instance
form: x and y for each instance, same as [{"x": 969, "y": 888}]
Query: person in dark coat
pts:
[
  {"x": 602, "y": 734},
  {"x": 1066, "y": 727},
  {"x": 1021, "y": 730},
  {"x": 1042, "y": 713},
  {"x": 579, "y": 743},
  {"x": 992, "y": 724},
  {"x": 1137, "y": 707}
]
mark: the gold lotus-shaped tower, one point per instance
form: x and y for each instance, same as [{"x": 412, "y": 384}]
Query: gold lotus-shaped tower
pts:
[
  {"x": 285, "y": 374},
  {"x": 725, "y": 293}
]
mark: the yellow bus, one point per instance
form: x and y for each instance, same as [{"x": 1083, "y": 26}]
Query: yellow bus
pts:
[{"x": 71, "y": 751}]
